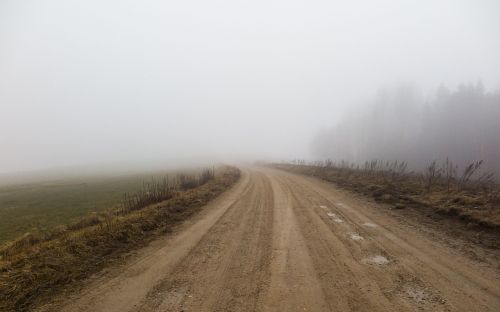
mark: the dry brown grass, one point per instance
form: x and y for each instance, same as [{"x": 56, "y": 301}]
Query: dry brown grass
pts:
[
  {"x": 33, "y": 269},
  {"x": 470, "y": 196}
]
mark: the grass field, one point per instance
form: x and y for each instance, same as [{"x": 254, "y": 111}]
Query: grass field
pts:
[{"x": 41, "y": 206}]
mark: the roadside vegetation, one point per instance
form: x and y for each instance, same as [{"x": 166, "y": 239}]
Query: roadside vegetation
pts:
[
  {"x": 33, "y": 268},
  {"x": 40, "y": 207},
  {"x": 469, "y": 195}
]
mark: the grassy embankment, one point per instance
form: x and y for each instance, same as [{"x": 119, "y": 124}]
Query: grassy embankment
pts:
[
  {"x": 35, "y": 268},
  {"x": 470, "y": 196}
]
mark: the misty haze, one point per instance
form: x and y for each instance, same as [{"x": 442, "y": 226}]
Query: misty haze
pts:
[
  {"x": 400, "y": 123},
  {"x": 249, "y": 155}
]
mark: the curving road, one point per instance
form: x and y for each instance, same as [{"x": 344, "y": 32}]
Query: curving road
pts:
[{"x": 282, "y": 242}]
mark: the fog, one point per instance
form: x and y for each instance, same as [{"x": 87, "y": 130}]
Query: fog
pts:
[
  {"x": 137, "y": 83},
  {"x": 400, "y": 123}
]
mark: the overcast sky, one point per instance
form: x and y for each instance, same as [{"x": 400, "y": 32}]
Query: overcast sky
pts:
[{"x": 96, "y": 81}]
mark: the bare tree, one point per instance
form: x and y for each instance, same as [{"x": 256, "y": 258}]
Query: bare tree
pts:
[
  {"x": 430, "y": 176},
  {"x": 450, "y": 173}
]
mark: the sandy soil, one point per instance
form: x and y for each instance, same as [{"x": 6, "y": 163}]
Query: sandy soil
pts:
[{"x": 282, "y": 242}]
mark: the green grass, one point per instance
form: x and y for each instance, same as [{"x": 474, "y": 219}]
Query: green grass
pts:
[{"x": 39, "y": 207}]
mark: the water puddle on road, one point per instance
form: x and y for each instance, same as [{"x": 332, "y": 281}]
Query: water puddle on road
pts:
[
  {"x": 368, "y": 224},
  {"x": 417, "y": 295},
  {"x": 356, "y": 237},
  {"x": 422, "y": 295},
  {"x": 334, "y": 217},
  {"x": 377, "y": 259}
]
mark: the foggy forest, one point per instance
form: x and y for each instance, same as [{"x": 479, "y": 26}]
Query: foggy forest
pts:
[{"x": 401, "y": 123}]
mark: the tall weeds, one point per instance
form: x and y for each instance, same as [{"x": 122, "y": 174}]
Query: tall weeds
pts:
[
  {"x": 159, "y": 190},
  {"x": 440, "y": 184}
]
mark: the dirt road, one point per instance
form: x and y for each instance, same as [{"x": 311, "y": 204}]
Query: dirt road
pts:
[{"x": 283, "y": 242}]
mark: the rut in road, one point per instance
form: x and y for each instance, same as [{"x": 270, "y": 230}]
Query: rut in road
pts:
[{"x": 283, "y": 242}]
